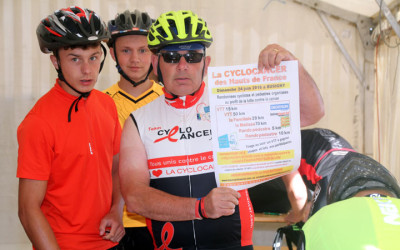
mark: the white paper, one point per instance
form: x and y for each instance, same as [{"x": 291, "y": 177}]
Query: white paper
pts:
[{"x": 255, "y": 122}]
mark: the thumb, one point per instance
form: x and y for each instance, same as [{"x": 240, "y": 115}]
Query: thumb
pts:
[{"x": 102, "y": 227}]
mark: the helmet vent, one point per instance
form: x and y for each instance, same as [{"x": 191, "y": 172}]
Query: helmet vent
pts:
[
  {"x": 134, "y": 19},
  {"x": 161, "y": 31},
  {"x": 187, "y": 25},
  {"x": 172, "y": 26},
  {"x": 199, "y": 28}
]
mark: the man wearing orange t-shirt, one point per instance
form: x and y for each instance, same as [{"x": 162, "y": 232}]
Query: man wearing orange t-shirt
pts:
[{"x": 69, "y": 195}]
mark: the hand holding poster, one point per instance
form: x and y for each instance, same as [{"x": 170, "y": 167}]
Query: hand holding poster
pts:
[{"x": 255, "y": 122}]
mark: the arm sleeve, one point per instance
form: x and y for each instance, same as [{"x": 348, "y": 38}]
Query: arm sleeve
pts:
[{"x": 35, "y": 149}]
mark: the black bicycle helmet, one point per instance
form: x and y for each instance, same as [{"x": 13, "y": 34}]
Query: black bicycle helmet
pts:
[
  {"x": 177, "y": 27},
  {"x": 129, "y": 23},
  {"x": 70, "y": 26},
  {"x": 358, "y": 172}
]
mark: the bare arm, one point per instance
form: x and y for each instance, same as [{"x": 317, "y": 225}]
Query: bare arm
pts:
[
  {"x": 297, "y": 194},
  {"x": 112, "y": 222},
  {"x": 30, "y": 197},
  {"x": 155, "y": 204},
  {"x": 311, "y": 103}
]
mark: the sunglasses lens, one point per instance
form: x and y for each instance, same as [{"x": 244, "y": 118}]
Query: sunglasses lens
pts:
[
  {"x": 171, "y": 57},
  {"x": 174, "y": 57},
  {"x": 193, "y": 57}
]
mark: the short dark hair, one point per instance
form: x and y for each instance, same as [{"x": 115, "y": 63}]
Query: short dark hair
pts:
[{"x": 82, "y": 46}]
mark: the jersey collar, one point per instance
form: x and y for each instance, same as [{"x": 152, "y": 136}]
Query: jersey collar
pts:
[{"x": 184, "y": 102}]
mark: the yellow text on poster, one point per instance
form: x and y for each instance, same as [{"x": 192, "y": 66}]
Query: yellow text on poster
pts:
[
  {"x": 251, "y": 177},
  {"x": 241, "y": 157}
]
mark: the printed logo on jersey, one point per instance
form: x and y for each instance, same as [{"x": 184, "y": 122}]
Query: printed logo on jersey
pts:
[
  {"x": 182, "y": 165},
  {"x": 389, "y": 210},
  {"x": 203, "y": 112},
  {"x": 177, "y": 133},
  {"x": 167, "y": 234}
]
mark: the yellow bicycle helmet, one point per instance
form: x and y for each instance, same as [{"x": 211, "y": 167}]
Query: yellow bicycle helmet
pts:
[{"x": 176, "y": 27}]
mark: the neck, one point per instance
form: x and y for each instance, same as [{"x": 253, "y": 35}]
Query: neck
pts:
[
  {"x": 134, "y": 91},
  {"x": 67, "y": 89}
]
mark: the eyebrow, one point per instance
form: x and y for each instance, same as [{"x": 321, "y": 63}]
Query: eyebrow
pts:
[{"x": 75, "y": 55}]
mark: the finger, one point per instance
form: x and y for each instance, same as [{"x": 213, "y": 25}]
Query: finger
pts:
[
  {"x": 104, "y": 227},
  {"x": 121, "y": 235},
  {"x": 230, "y": 200},
  {"x": 109, "y": 233},
  {"x": 230, "y": 191},
  {"x": 118, "y": 235},
  {"x": 262, "y": 60},
  {"x": 227, "y": 212},
  {"x": 278, "y": 58},
  {"x": 271, "y": 59}
]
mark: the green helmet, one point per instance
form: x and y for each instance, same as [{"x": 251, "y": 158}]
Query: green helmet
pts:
[{"x": 177, "y": 27}]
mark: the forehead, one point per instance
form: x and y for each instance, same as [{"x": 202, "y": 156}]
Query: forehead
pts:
[
  {"x": 132, "y": 40},
  {"x": 80, "y": 51}
]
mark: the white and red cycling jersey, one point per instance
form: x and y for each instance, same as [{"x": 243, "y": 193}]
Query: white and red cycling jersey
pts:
[{"x": 177, "y": 134}]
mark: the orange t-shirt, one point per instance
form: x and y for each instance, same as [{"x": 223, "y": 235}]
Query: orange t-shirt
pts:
[{"x": 75, "y": 158}]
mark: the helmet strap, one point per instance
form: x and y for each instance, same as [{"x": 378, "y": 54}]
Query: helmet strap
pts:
[
  {"x": 204, "y": 65},
  {"x": 104, "y": 58},
  {"x": 159, "y": 75},
  {"x": 124, "y": 75}
]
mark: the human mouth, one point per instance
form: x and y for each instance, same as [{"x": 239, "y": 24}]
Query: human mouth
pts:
[
  {"x": 134, "y": 68},
  {"x": 86, "y": 82}
]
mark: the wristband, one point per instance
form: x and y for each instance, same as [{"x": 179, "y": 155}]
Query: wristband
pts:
[
  {"x": 202, "y": 209},
  {"x": 197, "y": 210}
]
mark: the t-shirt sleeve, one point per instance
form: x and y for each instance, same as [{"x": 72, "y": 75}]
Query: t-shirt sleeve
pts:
[{"x": 35, "y": 150}]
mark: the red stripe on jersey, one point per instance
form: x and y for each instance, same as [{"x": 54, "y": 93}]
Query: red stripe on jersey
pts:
[
  {"x": 329, "y": 151},
  {"x": 246, "y": 217},
  {"x": 150, "y": 228}
]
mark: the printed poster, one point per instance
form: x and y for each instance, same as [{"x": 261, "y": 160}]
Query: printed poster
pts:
[{"x": 255, "y": 121}]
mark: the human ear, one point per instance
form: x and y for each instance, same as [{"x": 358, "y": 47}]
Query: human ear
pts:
[{"x": 54, "y": 61}]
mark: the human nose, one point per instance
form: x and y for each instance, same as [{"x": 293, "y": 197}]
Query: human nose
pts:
[
  {"x": 86, "y": 67},
  {"x": 134, "y": 56},
  {"x": 182, "y": 64}
]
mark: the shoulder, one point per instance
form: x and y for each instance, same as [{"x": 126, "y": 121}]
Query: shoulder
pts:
[
  {"x": 112, "y": 90},
  {"x": 150, "y": 111},
  {"x": 158, "y": 88},
  {"x": 101, "y": 95}
]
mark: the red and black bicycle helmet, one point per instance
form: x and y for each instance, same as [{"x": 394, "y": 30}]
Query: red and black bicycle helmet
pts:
[{"x": 70, "y": 26}]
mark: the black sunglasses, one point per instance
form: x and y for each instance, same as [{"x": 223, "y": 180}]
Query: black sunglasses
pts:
[{"x": 174, "y": 57}]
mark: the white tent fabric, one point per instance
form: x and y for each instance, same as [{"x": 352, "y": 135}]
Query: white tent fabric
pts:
[{"x": 387, "y": 106}]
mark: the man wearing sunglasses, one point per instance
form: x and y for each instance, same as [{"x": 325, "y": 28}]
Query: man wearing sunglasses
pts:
[{"x": 167, "y": 171}]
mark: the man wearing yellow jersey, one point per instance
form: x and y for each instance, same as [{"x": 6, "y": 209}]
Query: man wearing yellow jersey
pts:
[{"x": 128, "y": 48}]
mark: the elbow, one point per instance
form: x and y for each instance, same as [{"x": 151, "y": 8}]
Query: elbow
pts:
[
  {"x": 132, "y": 204},
  {"x": 22, "y": 215},
  {"x": 135, "y": 207},
  {"x": 314, "y": 117},
  {"x": 131, "y": 208}
]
